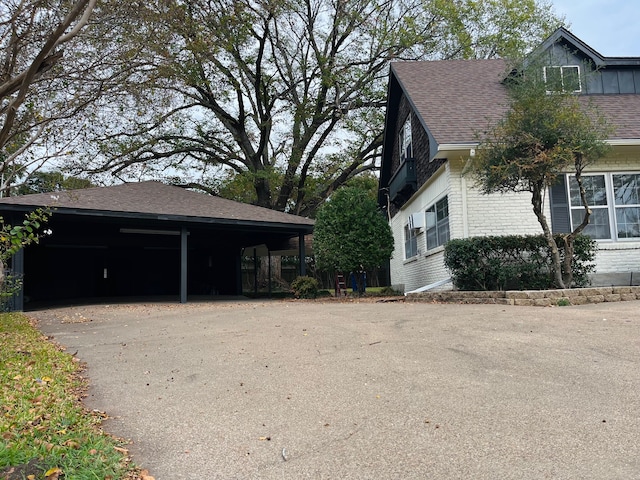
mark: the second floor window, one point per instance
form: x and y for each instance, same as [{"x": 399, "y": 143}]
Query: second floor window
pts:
[
  {"x": 563, "y": 79},
  {"x": 404, "y": 141}
]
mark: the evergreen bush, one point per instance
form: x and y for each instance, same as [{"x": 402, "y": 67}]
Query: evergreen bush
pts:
[{"x": 513, "y": 262}]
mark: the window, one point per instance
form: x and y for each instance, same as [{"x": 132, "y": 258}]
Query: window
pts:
[
  {"x": 563, "y": 79},
  {"x": 596, "y": 195},
  {"x": 614, "y": 200},
  {"x": 626, "y": 188},
  {"x": 410, "y": 242},
  {"x": 437, "y": 224},
  {"x": 404, "y": 141}
]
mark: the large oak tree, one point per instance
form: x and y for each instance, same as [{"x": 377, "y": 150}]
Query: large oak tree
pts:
[
  {"x": 284, "y": 97},
  {"x": 37, "y": 87}
]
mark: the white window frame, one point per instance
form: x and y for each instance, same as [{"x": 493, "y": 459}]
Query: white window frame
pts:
[
  {"x": 612, "y": 208},
  {"x": 405, "y": 141},
  {"x": 562, "y": 70},
  {"x": 437, "y": 225},
  {"x": 618, "y": 207},
  {"x": 410, "y": 242}
]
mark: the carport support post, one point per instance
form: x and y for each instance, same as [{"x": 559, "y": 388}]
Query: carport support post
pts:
[
  {"x": 269, "y": 253},
  {"x": 255, "y": 272},
  {"x": 303, "y": 264},
  {"x": 17, "y": 267},
  {"x": 183, "y": 265}
]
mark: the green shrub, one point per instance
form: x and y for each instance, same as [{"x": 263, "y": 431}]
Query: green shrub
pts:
[
  {"x": 305, "y": 287},
  {"x": 513, "y": 262},
  {"x": 389, "y": 292}
]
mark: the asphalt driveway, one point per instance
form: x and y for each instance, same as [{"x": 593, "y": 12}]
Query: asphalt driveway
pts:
[{"x": 304, "y": 390}]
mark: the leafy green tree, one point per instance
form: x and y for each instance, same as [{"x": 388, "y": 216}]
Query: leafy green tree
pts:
[
  {"x": 15, "y": 237},
  {"x": 51, "y": 181},
  {"x": 351, "y": 234},
  {"x": 542, "y": 135},
  {"x": 287, "y": 94},
  {"x": 38, "y": 90}
]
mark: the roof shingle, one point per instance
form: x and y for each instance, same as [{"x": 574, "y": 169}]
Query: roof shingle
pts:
[
  {"x": 456, "y": 99},
  {"x": 155, "y": 198}
]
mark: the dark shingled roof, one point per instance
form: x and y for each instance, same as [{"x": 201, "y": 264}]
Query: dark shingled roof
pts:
[
  {"x": 454, "y": 98},
  {"x": 458, "y": 98},
  {"x": 154, "y": 199}
]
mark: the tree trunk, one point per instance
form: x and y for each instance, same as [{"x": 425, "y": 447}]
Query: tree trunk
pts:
[
  {"x": 570, "y": 239},
  {"x": 276, "y": 272},
  {"x": 556, "y": 265}
]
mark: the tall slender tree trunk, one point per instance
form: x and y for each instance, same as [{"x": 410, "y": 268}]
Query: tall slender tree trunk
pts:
[{"x": 556, "y": 264}]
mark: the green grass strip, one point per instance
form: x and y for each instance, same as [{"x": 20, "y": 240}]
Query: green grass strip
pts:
[{"x": 43, "y": 423}]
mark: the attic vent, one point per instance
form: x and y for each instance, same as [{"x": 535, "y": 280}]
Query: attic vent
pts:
[{"x": 564, "y": 78}]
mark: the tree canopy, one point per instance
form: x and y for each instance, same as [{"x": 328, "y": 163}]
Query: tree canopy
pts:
[
  {"x": 51, "y": 181},
  {"x": 351, "y": 233},
  {"x": 287, "y": 96},
  {"x": 546, "y": 132},
  {"x": 38, "y": 90}
]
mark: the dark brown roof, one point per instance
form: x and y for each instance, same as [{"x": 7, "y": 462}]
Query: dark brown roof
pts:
[
  {"x": 622, "y": 110},
  {"x": 156, "y": 199},
  {"x": 458, "y": 98},
  {"x": 454, "y": 98}
]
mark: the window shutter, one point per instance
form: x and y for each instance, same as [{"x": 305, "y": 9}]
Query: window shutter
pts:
[{"x": 559, "y": 201}]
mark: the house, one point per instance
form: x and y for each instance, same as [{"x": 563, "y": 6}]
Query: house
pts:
[
  {"x": 145, "y": 239},
  {"x": 435, "y": 110}
]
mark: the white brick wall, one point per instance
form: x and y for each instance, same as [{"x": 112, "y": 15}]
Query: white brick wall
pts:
[
  {"x": 473, "y": 214},
  {"x": 496, "y": 214},
  {"x": 420, "y": 270},
  {"x": 618, "y": 257}
]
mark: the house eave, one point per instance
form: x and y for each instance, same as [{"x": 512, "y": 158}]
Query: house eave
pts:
[
  {"x": 168, "y": 218},
  {"x": 456, "y": 147},
  {"x": 454, "y": 150},
  {"x": 625, "y": 142},
  {"x": 445, "y": 148}
]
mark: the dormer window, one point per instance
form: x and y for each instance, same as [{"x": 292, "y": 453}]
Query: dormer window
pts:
[
  {"x": 404, "y": 141},
  {"x": 564, "y": 78}
]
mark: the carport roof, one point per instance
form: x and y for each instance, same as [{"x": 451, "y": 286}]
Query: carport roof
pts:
[{"x": 155, "y": 200}]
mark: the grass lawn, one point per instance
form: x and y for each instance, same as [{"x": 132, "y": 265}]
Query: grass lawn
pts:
[{"x": 45, "y": 431}]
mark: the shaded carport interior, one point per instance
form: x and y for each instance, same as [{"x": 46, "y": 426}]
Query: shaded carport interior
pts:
[{"x": 145, "y": 240}]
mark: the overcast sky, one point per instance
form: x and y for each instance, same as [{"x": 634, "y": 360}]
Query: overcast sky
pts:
[{"x": 610, "y": 27}]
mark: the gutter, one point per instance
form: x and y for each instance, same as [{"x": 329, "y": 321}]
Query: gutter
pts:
[
  {"x": 453, "y": 147},
  {"x": 429, "y": 287},
  {"x": 631, "y": 142}
]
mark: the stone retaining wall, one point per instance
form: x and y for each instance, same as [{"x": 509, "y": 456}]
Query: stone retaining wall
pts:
[{"x": 541, "y": 298}]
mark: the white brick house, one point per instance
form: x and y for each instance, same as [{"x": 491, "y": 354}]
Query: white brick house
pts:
[{"x": 434, "y": 111}]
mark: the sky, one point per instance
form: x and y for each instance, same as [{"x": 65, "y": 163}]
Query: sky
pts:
[{"x": 610, "y": 27}]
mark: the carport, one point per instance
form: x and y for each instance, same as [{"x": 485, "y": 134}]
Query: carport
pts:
[{"x": 144, "y": 239}]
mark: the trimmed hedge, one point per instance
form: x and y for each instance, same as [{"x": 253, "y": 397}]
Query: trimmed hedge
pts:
[{"x": 513, "y": 262}]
